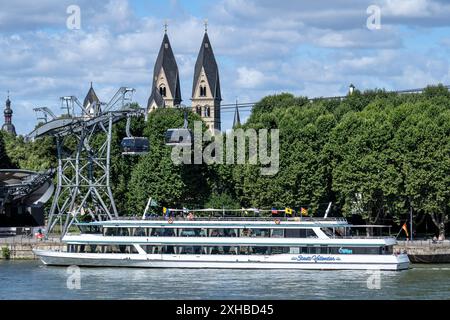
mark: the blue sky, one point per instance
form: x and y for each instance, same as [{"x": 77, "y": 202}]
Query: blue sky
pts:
[{"x": 312, "y": 48}]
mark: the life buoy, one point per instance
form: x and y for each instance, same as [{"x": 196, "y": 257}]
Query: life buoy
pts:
[
  {"x": 170, "y": 220},
  {"x": 277, "y": 221}
]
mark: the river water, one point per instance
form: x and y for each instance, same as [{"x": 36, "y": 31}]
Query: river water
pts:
[{"x": 32, "y": 280}]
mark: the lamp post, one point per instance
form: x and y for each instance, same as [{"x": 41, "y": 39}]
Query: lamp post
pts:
[{"x": 411, "y": 221}]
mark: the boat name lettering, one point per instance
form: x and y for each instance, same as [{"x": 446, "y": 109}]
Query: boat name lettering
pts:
[{"x": 315, "y": 258}]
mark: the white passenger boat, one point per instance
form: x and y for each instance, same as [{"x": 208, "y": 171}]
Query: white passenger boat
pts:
[{"x": 259, "y": 243}]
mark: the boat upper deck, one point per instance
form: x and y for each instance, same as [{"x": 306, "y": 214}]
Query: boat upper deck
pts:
[
  {"x": 229, "y": 222},
  {"x": 223, "y": 222}
]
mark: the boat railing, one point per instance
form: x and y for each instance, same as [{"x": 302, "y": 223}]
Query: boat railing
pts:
[
  {"x": 362, "y": 237},
  {"x": 236, "y": 218}
]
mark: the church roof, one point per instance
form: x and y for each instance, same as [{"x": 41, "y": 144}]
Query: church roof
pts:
[
  {"x": 166, "y": 60},
  {"x": 9, "y": 127},
  {"x": 156, "y": 96},
  {"x": 237, "y": 118},
  {"x": 91, "y": 97},
  {"x": 207, "y": 61}
]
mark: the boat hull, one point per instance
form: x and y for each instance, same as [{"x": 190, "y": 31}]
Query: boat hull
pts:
[{"x": 281, "y": 261}]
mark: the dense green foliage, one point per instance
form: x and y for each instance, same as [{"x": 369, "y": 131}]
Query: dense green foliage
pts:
[
  {"x": 39, "y": 155},
  {"x": 373, "y": 154}
]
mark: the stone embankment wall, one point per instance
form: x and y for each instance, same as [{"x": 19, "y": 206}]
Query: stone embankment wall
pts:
[
  {"x": 22, "y": 248},
  {"x": 426, "y": 251}
]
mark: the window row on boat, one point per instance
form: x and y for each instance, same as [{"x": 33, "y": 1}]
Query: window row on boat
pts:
[
  {"x": 210, "y": 232},
  {"x": 208, "y": 250}
]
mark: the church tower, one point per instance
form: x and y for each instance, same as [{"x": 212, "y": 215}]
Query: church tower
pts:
[
  {"x": 8, "y": 126},
  {"x": 166, "y": 91},
  {"x": 237, "y": 117},
  {"x": 91, "y": 103},
  {"x": 206, "y": 95}
]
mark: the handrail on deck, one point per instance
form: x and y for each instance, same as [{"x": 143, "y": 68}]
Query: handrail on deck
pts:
[{"x": 227, "y": 218}]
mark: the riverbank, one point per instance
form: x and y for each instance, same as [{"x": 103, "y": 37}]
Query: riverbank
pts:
[
  {"x": 21, "y": 248},
  {"x": 421, "y": 251},
  {"x": 426, "y": 251}
]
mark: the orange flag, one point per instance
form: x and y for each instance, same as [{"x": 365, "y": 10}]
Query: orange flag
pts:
[{"x": 404, "y": 227}]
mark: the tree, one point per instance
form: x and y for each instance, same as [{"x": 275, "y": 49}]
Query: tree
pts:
[
  {"x": 424, "y": 145},
  {"x": 5, "y": 162},
  {"x": 156, "y": 176}
]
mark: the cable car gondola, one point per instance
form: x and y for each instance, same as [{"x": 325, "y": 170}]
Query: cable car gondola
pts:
[
  {"x": 179, "y": 137},
  {"x": 134, "y": 145}
]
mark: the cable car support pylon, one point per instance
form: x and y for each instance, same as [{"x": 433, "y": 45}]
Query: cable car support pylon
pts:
[{"x": 83, "y": 143}]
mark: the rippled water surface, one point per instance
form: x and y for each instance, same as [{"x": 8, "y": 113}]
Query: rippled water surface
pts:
[{"x": 32, "y": 280}]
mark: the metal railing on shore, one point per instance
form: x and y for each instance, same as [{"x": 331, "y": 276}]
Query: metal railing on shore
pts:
[{"x": 24, "y": 239}]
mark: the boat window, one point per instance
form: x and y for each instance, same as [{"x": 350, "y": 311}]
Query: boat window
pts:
[
  {"x": 169, "y": 232},
  {"x": 279, "y": 250},
  {"x": 261, "y": 250},
  {"x": 168, "y": 249},
  {"x": 387, "y": 250},
  {"x": 355, "y": 250},
  {"x": 90, "y": 229},
  {"x": 228, "y": 250},
  {"x": 189, "y": 232},
  {"x": 367, "y": 250},
  {"x": 245, "y": 250},
  {"x": 294, "y": 250},
  {"x": 261, "y": 233},
  {"x": 139, "y": 232},
  {"x": 221, "y": 232},
  {"x": 300, "y": 233},
  {"x": 277, "y": 233},
  {"x": 110, "y": 231},
  {"x": 246, "y": 232},
  {"x": 163, "y": 232}
]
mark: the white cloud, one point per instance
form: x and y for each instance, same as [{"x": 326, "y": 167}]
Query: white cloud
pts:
[
  {"x": 249, "y": 78},
  {"x": 409, "y": 8},
  {"x": 264, "y": 47}
]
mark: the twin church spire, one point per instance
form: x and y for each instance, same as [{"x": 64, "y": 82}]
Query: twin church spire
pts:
[{"x": 206, "y": 93}]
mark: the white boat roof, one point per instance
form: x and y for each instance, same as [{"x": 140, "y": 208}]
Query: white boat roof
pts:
[
  {"x": 272, "y": 223},
  {"x": 245, "y": 241}
]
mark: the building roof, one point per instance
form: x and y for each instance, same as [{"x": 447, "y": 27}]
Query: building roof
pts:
[
  {"x": 8, "y": 126},
  {"x": 156, "y": 96},
  {"x": 237, "y": 118},
  {"x": 91, "y": 97},
  {"x": 207, "y": 61},
  {"x": 166, "y": 60}
]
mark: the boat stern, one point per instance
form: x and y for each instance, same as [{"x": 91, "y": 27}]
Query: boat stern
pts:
[{"x": 402, "y": 261}]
